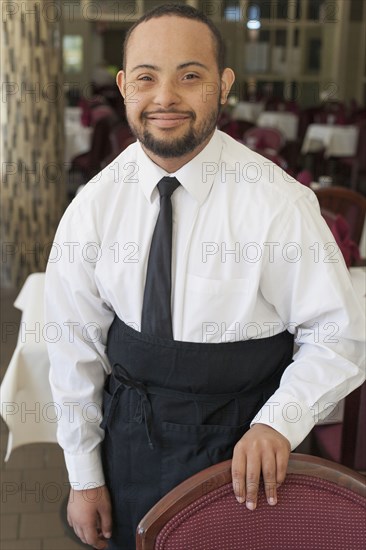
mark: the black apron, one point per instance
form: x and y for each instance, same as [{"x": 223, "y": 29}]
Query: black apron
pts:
[{"x": 173, "y": 408}]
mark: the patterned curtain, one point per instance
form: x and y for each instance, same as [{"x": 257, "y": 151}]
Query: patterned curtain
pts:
[{"x": 33, "y": 186}]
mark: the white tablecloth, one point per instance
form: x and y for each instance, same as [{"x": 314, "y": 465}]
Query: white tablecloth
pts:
[
  {"x": 72, "y": 114},
  {"x": 26, "y": 400},
  {"x": 338, "y": 141},
  {"x": 247, "y": 110},
  {"x": 287, "y": 123},
  {"x": 77, "y": 139}
]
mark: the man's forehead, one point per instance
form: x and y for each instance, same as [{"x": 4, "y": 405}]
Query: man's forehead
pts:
[{"x": 176, "y": 29}]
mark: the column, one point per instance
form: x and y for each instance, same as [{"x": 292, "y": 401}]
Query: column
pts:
[{"x": 33, "y": 186}]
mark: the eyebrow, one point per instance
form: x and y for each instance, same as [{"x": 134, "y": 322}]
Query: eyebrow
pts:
[{"x": 181, "y": 66}]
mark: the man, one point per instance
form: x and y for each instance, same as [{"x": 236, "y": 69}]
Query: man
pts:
[{"x": 250, "y": 269}]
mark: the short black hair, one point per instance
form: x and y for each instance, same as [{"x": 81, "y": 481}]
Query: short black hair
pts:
[{"x": 187, "y": 12}]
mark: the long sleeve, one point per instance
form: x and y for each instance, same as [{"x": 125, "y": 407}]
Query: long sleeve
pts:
[
  {"x": 78, "y": 361},
  {"x": 309, "y": 286}
]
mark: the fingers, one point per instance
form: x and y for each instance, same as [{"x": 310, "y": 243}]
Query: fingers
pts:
[
  {"x": 269, "y": 471},
  {"x": 88, "y": 534},
  {"x": 264, "y": 451},
  {"x": 106, "y": 522},
  {"x": 252, "y": 477},
  {"x": 89, "y": 514},
  {"x": 281, "y": 467},
  {"x": 238, "y": 465}
]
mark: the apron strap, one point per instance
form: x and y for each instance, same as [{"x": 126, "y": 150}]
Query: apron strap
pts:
[{"x": 144, "y": 412}]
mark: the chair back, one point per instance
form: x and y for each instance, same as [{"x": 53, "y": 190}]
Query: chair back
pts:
[
  {"x": 120, "y": 137},
  {"x": 350, "y": 204},
  {"x": 264, "y": 138},
  {"x": 320, "y": 505},
  {"x": 345, "y": 442},
  {"x": 341, "y": 233}
]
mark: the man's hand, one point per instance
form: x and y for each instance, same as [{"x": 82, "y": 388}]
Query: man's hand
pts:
[
  {"x": 89, "y": 514},
  {"x": 261, "y": 450}
]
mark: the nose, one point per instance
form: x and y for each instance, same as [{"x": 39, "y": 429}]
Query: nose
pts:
[{"x": 167, "y": 94}]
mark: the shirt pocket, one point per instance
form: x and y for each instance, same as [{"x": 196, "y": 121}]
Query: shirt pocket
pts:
[{"x": 214, "y": 306}]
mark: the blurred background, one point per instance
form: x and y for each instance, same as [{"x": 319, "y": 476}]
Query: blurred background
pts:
[{"x": 299, "y": 99}]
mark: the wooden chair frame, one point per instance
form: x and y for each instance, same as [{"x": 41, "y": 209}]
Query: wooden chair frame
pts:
[{"x": 220, "y": 474}]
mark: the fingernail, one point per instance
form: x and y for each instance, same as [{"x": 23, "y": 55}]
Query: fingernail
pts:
[
  {"x": 250, "y": 505},
  {"x": 108, "y": 535},
  {"x": 240, "y": 500},
  {"x": 272, "y": 501}
]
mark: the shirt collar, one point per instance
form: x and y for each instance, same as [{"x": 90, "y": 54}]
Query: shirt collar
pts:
[{"x": 197, "y": 176}]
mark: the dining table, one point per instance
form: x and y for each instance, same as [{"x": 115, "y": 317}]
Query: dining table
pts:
[
  {"x": 27, "y": 405},
  {"x": 248, "y": 110},
  {"x": 284, "y": 121},
  {"x": 335, "y": 139},
  {"x": 77, "y": 140}
]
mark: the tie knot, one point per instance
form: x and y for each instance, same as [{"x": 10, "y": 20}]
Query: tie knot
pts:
[{"x": 167, "y": 186}]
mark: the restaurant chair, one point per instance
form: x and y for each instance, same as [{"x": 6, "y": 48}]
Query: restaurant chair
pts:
[
  {"x": 345, "y": 442},
  {"x": 341, "y": 233},
  {"x": 321, "y": 505},
  {"x": 357, "y": 163},
  {"x": 264, "y": 138},
  {"x": 90, "y": 163},
  {"x": 120, "y": 137},
  {"x": 305, "y": 177},
  {"x": 350, "y": 204},
  {"x": 274, "y": 157}
]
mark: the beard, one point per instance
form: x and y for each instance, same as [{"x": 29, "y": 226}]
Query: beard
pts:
[{"x": 174, "y": 148}]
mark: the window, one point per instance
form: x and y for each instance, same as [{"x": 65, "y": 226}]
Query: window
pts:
[{"x": 73, "y": 53}]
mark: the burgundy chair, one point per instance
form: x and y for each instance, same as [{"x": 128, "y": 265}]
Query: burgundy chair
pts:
[
  {"x": 305, "y": 177},
  {"x": 274, "y": 157},
  {"x": 341, "y": 233},
  {"x": 264, "y": 138},
  {"x": 333, "y": 112},
  {"x": 90, "y": 163},
  {"x": 345, "y": 442},
  {"x": 350, "y": 204},
  {"x": 321, "y": 505},
  {"x": 120, "y": 138}
]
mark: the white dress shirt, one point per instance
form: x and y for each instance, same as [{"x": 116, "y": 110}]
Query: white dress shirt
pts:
[{"x": 251, "y": 257}]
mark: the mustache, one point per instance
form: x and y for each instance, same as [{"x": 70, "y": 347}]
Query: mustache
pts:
[{"x": 146, "y": 114}]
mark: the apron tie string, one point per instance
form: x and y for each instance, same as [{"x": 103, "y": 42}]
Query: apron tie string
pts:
[{"x": 144, "y": 411}]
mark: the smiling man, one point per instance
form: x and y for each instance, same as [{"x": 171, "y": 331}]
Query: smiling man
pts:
[{"x": 187, "y": 270}]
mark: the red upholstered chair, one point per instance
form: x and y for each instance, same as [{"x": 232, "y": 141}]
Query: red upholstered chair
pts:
[
  {"x": 274, "y": 157},
  {"x": 264, "y": 138},
  {"x": 345, "y": 442},
  {"x": 350, "y": 204},
  {"x": 341, "y": 233},
  {"x": 90, "y": 163},
  {"x": 320, "y": 506}
]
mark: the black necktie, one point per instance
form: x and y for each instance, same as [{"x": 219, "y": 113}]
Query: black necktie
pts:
[{"x": 156, "y": 316}]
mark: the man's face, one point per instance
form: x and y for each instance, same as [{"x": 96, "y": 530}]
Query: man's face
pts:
[{"x": 172, "y": 87}]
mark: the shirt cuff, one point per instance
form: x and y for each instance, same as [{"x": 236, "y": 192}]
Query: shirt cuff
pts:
[
  {"x": 85, "y": 470},
  {"x": 288, "y": 415}
]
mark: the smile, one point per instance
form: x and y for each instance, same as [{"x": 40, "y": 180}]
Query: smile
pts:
[{"x": 167, "y": 120}]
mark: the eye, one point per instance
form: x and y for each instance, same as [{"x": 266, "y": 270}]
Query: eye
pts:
[
  {"x": 145, "y": 78},
  {"x": 190, "y": 76}
]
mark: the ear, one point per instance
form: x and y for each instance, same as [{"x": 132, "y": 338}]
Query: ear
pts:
[
  {"x": 121, "y": 83},
  {"x": 227, "y": 80}
]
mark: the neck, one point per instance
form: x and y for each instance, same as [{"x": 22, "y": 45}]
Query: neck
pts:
[{"x": 171, "y": 165}]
